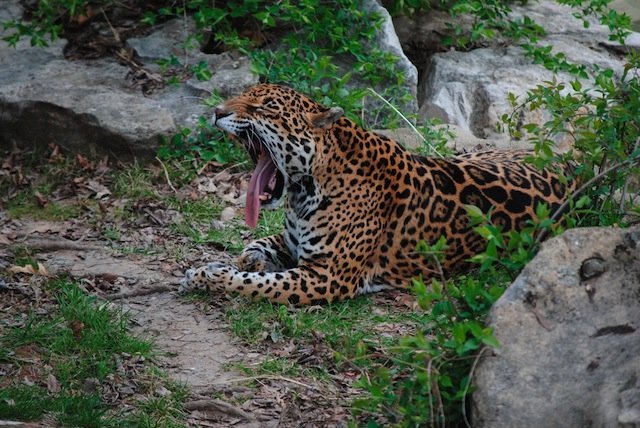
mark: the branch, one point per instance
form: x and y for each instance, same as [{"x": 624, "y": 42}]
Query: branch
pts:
[
  {"x": 218, "y": 406},
  {"x": 562, "y": 208}
]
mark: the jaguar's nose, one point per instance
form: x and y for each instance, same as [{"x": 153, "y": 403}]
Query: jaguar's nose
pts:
[{"x": 219, "y": 113}]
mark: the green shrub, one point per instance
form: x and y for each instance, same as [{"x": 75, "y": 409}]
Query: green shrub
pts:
[{"x": 425, "y": 379}]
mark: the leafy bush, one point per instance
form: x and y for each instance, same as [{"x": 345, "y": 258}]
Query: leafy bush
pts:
[
  {"x": 602, "y": 119},
  {"x": 425, "y": 379},
  {"x": 428, "y": 375}
]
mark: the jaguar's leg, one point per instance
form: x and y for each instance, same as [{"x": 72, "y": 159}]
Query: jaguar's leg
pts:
[
  {"x": 266, "y": 255},
  {"x": 303, "y": 285}
]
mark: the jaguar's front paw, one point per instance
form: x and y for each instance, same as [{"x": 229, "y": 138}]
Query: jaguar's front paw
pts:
[{"x": 209, "y": 277}]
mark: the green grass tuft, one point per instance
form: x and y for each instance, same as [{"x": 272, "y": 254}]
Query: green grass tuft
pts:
[{"x": 80, "y": 338}]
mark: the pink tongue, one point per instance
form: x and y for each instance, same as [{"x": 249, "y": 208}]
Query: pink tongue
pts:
[{"x": 260, "y": 177}]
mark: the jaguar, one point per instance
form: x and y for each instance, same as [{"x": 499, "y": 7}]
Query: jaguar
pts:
[{"x": 357, "y": 203}]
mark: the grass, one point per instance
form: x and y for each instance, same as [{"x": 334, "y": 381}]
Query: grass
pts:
[
  {"x": 348, "y": 328},
  {"x": 197, "y": 224},
  {"x": 79, "y": 340},
  {"x": 25, "y": 205},
  {"x": 134, "y": 182}
]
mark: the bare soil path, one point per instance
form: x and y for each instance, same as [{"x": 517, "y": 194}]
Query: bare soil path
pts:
[{"x": 195, "y": 344}]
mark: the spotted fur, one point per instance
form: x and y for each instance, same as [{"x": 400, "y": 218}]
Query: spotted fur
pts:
[{"x": 358, "y": 203}]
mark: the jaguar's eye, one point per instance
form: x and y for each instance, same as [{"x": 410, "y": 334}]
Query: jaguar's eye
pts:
[
  {"x": 256, "y": 108},
  {"x": 271, "y": 105}
]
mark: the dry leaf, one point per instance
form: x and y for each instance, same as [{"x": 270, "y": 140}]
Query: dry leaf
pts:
[
  {"x": 55, "y": 153},
  {"x": 41, "y": 199},
  {"x": 407, "y": 300},
  {"x": 103, "y": 208},
  {"x": 30, "y": 270},
  {"x": 76, "y": 327},
  {"x": 98, "y": 189},
  {"x": 84, "y": 162}
]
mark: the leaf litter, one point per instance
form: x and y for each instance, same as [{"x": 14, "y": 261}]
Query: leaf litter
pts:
[{"x": 124, "y": 250}]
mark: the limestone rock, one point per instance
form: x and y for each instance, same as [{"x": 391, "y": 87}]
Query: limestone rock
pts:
[
  {"x": 569, "y": 329},
  {"x": 93, "y": 105},
  {"x": 78, "y": 105},
  {"x": 470, "y": 89},
  {"x": 387, "y": 40},
  {"x": 462, "y": 141},
  {"x": 231, "y": 71}
]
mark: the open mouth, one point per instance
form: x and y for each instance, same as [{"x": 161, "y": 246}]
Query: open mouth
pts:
[{"x": 266, "y": 184}]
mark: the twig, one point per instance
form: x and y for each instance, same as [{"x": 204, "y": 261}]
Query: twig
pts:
[
  {"x": 218, "y": 406},
  {"x": 432, "y": 417},
  {"x": 626, "y": 180},
  {"x": 166, "y": 175},
  {"x": 406, "y": 120},
  {"x": 142, "y": 291},
  {"x": 466, "y": 387},
  {"x": 557, "y": 213},
  {"x": 116, "y": 35},
  {"x": 269, "y": 377},
  {"x": 148, "y": 212},
  {"x": 234, "y": 166}
]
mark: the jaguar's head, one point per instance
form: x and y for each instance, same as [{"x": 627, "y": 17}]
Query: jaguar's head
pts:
[{"x": 279, "y": 128}]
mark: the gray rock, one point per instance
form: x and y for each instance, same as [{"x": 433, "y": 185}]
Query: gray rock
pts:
[
  {"x": 462, "y": 141},
  {"x": 11, "y": 9},
  {"x": 93, "y": 106},
  {"x": 231, "y": 75},
  {"x": 167, "y": 39},
  {"x": 470, "y": 89},
  {"x": 569, "y": 329},
  {"x": 388, "y": 41},
  {"x": 85, "y": 106},
  {"x": 231, "y": 72}
]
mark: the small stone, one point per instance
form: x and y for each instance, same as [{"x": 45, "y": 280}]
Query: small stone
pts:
[
  {"x": 227, "y": 214},
  {"x": 592, "y": 267}
]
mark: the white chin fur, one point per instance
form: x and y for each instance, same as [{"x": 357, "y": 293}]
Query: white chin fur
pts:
[{"x": 272, "y": 204}]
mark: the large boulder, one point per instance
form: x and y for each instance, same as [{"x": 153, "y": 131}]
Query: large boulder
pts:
[
  {"x": 569, "y": 333},
  {"x": 98, "y": 105},
  {"x": 387, "y": 41},
  {"x": 470, "y": 89},
  {"x": 102, "y": 106}
]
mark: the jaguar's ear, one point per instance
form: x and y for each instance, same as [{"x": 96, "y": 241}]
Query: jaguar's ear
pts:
[{"x": 326, "y": 118}]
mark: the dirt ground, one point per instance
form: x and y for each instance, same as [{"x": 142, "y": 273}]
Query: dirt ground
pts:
[{"x": 196, "y": 345}]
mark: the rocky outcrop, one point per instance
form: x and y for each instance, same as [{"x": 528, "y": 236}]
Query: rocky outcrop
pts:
[
  {"x": 100, "y": 105},
  {"x": 387, "y": 40},
  {"x": 470, "y": 89},
  {"x": 569, "y": 330},
  {"x": 97, "y": 105}
]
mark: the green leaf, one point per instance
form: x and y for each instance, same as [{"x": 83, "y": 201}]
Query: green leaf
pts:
[
  {"x": 490, "y": 340},
  {"x": 459, "y": 333}
]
